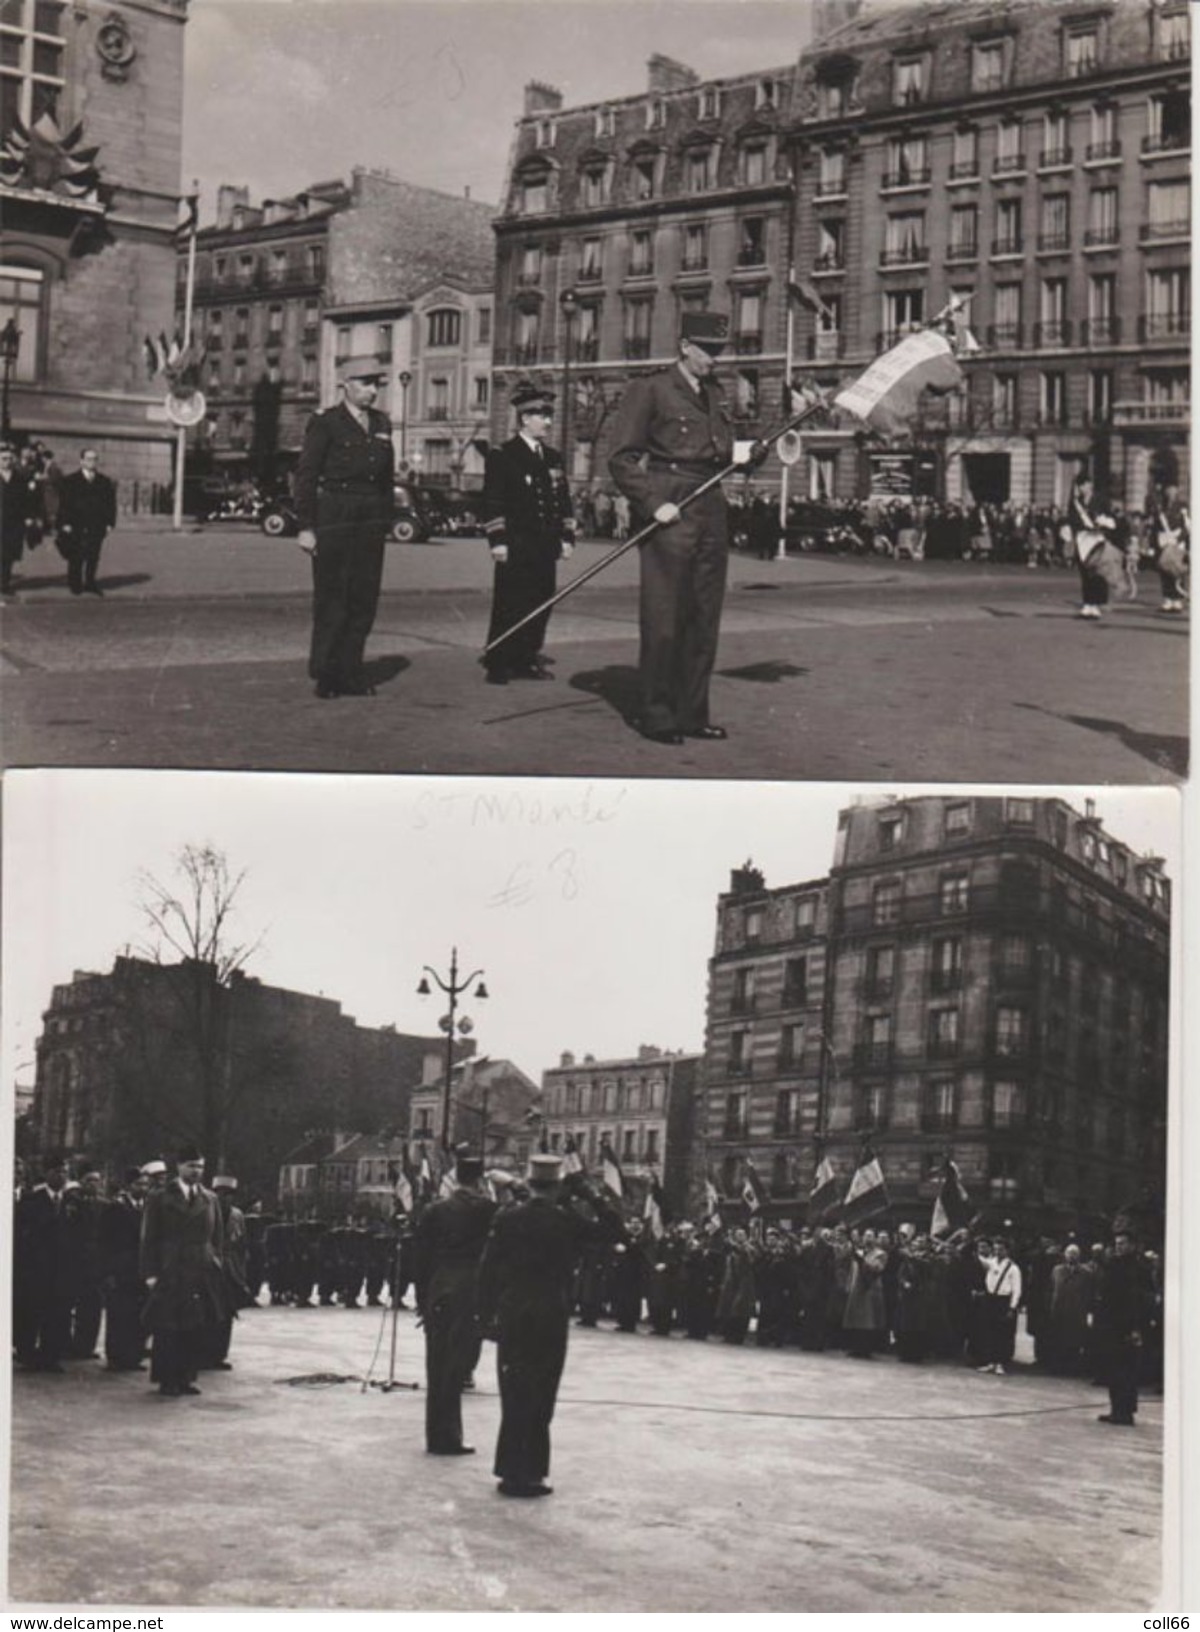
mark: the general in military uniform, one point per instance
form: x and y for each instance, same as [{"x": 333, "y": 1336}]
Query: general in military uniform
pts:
[
  {"x": 525, "y": 1281},
  {"x": 449, "y": 1243},
  {"x": 671, "y": 434},
  {"x": 344, "y": 504},
  {"x": 530, "y": 527}
]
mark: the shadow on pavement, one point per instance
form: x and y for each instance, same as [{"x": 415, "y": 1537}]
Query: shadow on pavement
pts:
[
  {"x": 380, "y": 670},
  {"x": 616, "y": 685},
  {"x": 1168, "y": 753},
  {"x": 768, "y": 673},
  {"x": 58, "y": 580}
]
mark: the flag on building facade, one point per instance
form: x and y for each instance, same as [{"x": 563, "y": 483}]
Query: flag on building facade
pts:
[
  {"x": 610, "y": 1169},
  {"x": 867, "y": 1194},
  {"x": 753, "y": 1192},
  {"x": 402, "y": 1187},
  {"x": 824, "y": 1193},
  {"x": 188, "y": 227},
  {"x": 952, "y": 1208},
  {"x": 887, "y": 394}
]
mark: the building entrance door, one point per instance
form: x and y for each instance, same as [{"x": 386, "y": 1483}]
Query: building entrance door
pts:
[{"x": 988, "y": 477}]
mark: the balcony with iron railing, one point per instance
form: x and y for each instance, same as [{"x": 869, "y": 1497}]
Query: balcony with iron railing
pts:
[
  {"x": 1052, "y": 332},
  {"x": 824, "y": 346},
  {"x": 886, "y": 338},
  {"x": 1176, "y": 141},
  {"x": 587, "y": 350},
  {"x": 833, "y": 260},
  {"x": 1108, "y": 237},
  {"x": 1054, "y": 158},
  {"x": 909, "y": 255},
  {"x": 943, "y": 1048},
  {"x": 1008, "y": 164},
  {"x": 1149, "y": 231},
  {"x": 1057, "y": 243},
  {"x": 637, "y": 347},
  {"x": 872, "y": 1056},
  {"x": 1151, "y": 413},
  {"x": 530, "y": 280},
  {"x": 906, "y": 176},
  {"x": 437, "y": 413},
  {"x": 967, "y": 250},
  {"x": 590, "y": 274},
  {"x": 694, "y": 263},
  {"x": 1164, "y": 326},
  {"x": 1097, "y": 152},
  {"x": 965, "y": 170},
  {"x": 827, "y": 190},
  {"x": 1013, "y": 244},
  {"x": 752, "y": 255},
  {"x": 1007, "y": 335},
  {"x": 737, "y": 1065},
  {"x": 945, "y": 980},
  {"x": 748, "y": 342}
]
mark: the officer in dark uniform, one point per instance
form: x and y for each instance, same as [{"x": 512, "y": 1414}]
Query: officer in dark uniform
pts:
[
  {"x": 449, "y": 1242},
  {"x": 525, "y": 1281},
  {"x": 530, "y": 527},
  {"x": 671, "y": 433},
  {"x": 344, "y": 505},
  {"x": 124, "y": 1340}
]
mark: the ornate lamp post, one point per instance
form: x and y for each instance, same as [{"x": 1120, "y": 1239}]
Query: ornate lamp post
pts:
[
  {"x": 10, "y": 346},
  {"x": 569, "y": 304},
  {"x": 453, "y": 988},
  {"x": 405, "y": 379}
]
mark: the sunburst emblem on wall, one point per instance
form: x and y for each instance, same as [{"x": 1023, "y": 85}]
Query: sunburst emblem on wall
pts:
[{"x": 42, "y": 159}]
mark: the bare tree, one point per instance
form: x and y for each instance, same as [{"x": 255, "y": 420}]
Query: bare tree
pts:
[{"x": 190, "y": 921}]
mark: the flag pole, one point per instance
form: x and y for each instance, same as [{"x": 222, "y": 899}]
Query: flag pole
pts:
[
  {"x": 760, "y": 448},
  {"x": 192, "y": 200}
]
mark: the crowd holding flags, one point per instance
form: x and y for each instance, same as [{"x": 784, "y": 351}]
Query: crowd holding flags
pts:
[
  {"x": 867, "y": 1195},
  {"x": 610, "y": 1169},
  {"x": 653, "y": 1211},
  {"x": 951, "y": 1209},
  {"x": 824, "y": 1193}
]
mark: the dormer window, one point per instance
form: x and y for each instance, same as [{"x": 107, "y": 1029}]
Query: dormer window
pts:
[
  {"x": 656, "y": 114},
  {"x": 545, "y": 132},
  {"x": 754, "y": 164},
  {"x": 534, "y": 193},
  {"x": 701, "y": 169},
  {"x": 606, "y": 122},
  {"x": 1174, "y": 35},
  {"x": 766, "y": 94},
  {"x": 910, "y": 80},
  {"x": 988, "y": 65},
  {"x": 1081, "y": 51},
  {"x": 709, "y": 102},
  {"x": 595, "y": 184}
]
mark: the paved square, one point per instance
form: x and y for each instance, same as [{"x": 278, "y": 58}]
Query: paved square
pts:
[{"x": 688, "y": 1477}]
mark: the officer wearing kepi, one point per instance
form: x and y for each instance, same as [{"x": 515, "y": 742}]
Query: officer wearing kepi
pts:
[
  {"x": 671, "y": 434},
  {"x": 530, "y": 527},
  {"x": 344, "y": 502}
]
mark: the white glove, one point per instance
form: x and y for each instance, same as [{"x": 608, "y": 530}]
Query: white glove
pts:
[
  {"x": 307, "y": 541},
  {"x": 500, "y": 553},
  {"x": 567, "y": 550},
  {"x": 666, "y": 514},
  {"x": 741, "y": 453}
]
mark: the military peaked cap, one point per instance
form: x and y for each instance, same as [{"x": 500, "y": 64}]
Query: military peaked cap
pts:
[
  {"x": 528, "y": 398},
  {"x": 708, "y": 330}
]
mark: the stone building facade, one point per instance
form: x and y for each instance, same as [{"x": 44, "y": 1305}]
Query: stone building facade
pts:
[
  {"x": 980, "y": 976},
  {"x": 87, "y": 255},
  {"x": 490, "y": 1106},
  {"x": 644, "y": 1107},
  {"x": 125, "y": 1070},
  {"x": 287, "y": 288},
  {"x": 1034, "y": 158}
]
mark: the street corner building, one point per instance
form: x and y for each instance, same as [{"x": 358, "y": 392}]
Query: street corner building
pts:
[
  {"x": 91, "y": 99},
  {"x": 976, "y": 979},
  {"x": 1031, "y": 161}
]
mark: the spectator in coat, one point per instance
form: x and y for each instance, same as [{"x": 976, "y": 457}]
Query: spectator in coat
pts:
[
  {"x": 121, "y": 1229},
  {"x": 1124, "y": 1300},
  {"x": 1072, "y": 1294},
  {"x": 44, "y": 1268},
  {"x": 87, "y": 513},
  {"x": 1000, "y": 1301},
  {"x": 865, "y": 1319},
  {"x": 182, "y": 1265},
  {"x": 735, "y": 1304}
]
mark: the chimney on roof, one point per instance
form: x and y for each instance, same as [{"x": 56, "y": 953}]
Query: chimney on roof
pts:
[
  {"x": 647, "y": 1051},
  {"x": 666, "y": 74},
  {"x": 542, "y": 98},
  {"x": 230, "y": 199},
  {"x": 747, "y": 880},
  {"x": 566, "y": 1058}
]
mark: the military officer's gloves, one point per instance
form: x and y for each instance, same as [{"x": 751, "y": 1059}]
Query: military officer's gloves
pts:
[
  {"x": 500, "y": 553},
  {"x": 666, "y": 514}
]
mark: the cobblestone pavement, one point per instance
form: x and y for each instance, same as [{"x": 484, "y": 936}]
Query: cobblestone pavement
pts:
[
  {"x": 828, "y": 669},
  {"x": 687, "y": 1477}
]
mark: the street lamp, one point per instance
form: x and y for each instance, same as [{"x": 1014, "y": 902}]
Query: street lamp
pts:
[
  {"x": 453, "y": 989},
  {"x": 10, "y": 346},
  {"x": 569, "y": 304},
  {"x": 405, "y": 379}
]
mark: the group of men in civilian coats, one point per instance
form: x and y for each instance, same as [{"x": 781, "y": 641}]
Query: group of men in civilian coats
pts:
[{"x": 162, "y": 1259}]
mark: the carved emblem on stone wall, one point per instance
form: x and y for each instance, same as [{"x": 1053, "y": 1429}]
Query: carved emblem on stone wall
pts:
[{"x": 115, "y": 47}]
